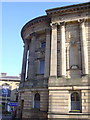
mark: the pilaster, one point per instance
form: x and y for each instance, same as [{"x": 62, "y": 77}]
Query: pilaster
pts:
[
  {"x": 63, "y": 49},
  {"x": 53, "y": 60},
  {"x": 83, "y": 47},
  {"x": 47, "y": 53}
]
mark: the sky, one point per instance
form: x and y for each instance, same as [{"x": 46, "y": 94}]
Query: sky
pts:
[{"x": 14, "y": 15}]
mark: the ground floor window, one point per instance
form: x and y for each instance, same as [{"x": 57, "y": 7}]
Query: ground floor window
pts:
[
  {"x": 75, "y": 102},
  {"x": 37, "y": 101}
]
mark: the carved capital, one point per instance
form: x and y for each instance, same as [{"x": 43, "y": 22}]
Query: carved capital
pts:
[
  {"x": 62, "y": 23},
  {"x": 53, "y": 25},
  {"x": 81, "y": 20}
]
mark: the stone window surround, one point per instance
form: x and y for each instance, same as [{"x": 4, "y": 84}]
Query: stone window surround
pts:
[{"x": 69, "y": 107}]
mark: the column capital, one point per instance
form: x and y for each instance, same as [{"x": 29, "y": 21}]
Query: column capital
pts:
[
  {"x": 53, "y": 25},
  {"x": 81, "y": 20},
  {"x": 62, "y": 23}
]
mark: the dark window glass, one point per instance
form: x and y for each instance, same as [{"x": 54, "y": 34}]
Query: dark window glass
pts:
[
  {"x": 37, "y": 101},
  {"x": 42, "y": 62},
  {"x": 75, "y": 102},
  {"x": 43, "y": 44},
  {"x": 75, "y": 96}
]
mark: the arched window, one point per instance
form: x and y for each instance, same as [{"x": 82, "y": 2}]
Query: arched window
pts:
[
  {"x": 37, "y": 101},
  {"x": 75, "y": 102}
]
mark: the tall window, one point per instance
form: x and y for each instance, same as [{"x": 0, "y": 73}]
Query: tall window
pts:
[
  {"x": 74, "y": 57},
  {"x": 75, "y": 102},
  {"x": 37, "y": 101},
  {"x": 42, "y": 62}
]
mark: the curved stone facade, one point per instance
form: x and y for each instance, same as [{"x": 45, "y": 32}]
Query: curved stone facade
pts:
[{"x": 56, "y": 65}]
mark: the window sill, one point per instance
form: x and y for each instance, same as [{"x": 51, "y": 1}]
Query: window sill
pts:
[
  {"x": 40, "y": 74},
  {"x": 75, "y": 111}
]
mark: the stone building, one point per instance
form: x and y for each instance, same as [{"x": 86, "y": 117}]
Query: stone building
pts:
[
  {"x": 55, "y": 79},
  {"x": 8, "y": 92}
]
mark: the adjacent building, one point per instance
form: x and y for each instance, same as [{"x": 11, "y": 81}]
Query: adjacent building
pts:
[
  {"x": 55, "y": 78},
  {"x": 9, "y": 92}
]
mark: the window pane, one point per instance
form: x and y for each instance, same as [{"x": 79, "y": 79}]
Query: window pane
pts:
[
  {"x": 75, "y": 96},
  {"x": 75, "y": 101},
  {"x": 43, "y": 44},
  {"x": 37, "y": 101},
  {"x": 42, "y": 66}
]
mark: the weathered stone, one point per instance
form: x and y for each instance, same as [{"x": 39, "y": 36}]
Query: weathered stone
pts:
[{"x": 63, "y": 88}]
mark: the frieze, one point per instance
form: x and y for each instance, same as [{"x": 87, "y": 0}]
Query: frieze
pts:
[{"x": 69, "y": 9}]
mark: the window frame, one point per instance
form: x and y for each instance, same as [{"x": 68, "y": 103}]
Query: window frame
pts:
[
  {"x": 36, "y": 101},
  {"x": 70, "y": 102}
]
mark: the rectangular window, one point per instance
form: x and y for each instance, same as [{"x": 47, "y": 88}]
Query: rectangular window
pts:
[
  {"x": 42, "y": 62},
  {"x": 43, "y": 44}
]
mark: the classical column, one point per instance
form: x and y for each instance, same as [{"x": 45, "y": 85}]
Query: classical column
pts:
[
  {"x": 47, "y": 53},
  {"x": 67, "y": 60},
  {"x": 53, "y": 61},
  {"x": 63, "y": 50},
  {"x": 84, "y": 47},
  {"x": 24, "y": 63},
  {"x": 31, "y": 67}
]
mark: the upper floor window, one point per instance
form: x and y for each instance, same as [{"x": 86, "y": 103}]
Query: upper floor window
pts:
[
  {"x": 43, "y": 44},
  {"x": 42, "y": 62}
]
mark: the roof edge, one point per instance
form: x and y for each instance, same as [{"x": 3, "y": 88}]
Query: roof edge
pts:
[{"x": 65, "y": 7}]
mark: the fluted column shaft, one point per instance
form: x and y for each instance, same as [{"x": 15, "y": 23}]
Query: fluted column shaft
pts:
[
  {"x": 24, "y": 63},
  {"x": 53, "y": 62},
  {"x": 63, "y": 50},
  {"x": 47, "y": 53},
  {"x": 31, "y": 67},
  {"x": 84, "y": 47}
]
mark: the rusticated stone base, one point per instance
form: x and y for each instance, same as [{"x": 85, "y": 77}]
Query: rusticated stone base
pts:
[{"x": 34, "y": 114}]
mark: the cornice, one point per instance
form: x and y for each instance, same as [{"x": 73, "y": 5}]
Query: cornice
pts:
[
  {"x": 33, "y": 22},
  {"x": 69, "y": 9}
]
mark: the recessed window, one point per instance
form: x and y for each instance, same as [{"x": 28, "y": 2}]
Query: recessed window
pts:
[
  {"x": 42, "y": 62},
  {"x": 75, "y": 102},
  {"x": 37, "y": 101},
  {"x": 43, "y": 44}
]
